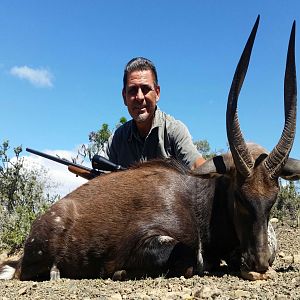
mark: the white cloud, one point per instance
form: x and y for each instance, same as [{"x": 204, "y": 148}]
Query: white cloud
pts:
[
  {"x": 59, "y": 174},
  {"x": 38, "y": 77}
]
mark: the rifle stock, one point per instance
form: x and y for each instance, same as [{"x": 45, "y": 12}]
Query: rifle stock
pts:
[{"x": 82, "y": 173}]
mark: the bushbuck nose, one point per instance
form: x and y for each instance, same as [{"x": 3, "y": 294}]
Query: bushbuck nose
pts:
[{"x": 261, "y": 263}]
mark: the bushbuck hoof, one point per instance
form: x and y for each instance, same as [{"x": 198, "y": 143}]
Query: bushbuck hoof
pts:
[
  {"x": 189, "y": 272},
  {"x": 269, "y": 274},
  {"x": 120, "y": 275}
]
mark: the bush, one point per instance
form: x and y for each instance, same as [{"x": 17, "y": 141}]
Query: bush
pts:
[
  {"x": 287, "y": 206},
  {"x": 22, "y": 197},
  {"x": 97, "y": 142}
]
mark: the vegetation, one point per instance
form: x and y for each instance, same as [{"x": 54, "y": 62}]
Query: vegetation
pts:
[
  {"x": 97, "y": 141},
  {"x": 287, "y": 206},
  {"x": 204, "y": 148},
  {"x": 22, "y": 197}
]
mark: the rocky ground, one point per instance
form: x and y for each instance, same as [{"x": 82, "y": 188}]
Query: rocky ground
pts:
[{"x": 286, "y": 284}]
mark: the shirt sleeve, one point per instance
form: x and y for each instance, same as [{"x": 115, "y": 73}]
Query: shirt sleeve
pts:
[
  {"x": 109, "y": 151},
  {"x": 183, "y": 146}
]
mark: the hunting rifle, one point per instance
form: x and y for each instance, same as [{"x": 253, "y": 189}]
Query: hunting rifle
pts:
[{"x": 99, "y": 164}]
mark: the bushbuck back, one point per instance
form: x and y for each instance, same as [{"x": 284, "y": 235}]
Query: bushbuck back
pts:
[{"x": 159, "y": 218}]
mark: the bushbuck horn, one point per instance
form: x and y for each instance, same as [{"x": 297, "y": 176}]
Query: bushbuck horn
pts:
[
  {"x": 238, "y": 147},
  {"x": 279, "y": 155}
]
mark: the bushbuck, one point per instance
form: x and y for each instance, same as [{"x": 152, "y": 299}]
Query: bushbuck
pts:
[{"x": 160, "y": 218}]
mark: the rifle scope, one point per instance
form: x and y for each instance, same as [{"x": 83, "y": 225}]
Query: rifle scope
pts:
[{"x": 101, "y": 163}]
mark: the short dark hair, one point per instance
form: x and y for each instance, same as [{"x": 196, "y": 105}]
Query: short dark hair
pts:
[{"x": 139, "y": 64}]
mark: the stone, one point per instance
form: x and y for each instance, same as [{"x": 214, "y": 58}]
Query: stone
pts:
[
  {"x": 22, "y": 291},
  {"x": 206, "y": 292},
  {"x": 116, "y": 296},
  {"x": 242, "y": 293}
]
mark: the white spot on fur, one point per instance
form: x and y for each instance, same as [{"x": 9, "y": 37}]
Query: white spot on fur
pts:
[
  {"x": 40, "y": 252},
  {"x": 57, "y": 219},
  {"x": 32, "y": 240},
  {"x": 54, "y": 273},
  {"x": 200, "y": 263},
  {"x": 7, "y": 273},
  {"x": 164, "y": 239}
]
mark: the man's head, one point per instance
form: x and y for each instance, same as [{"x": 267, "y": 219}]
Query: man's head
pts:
[
  {"x": 140, "y": 89},
  {"x": 139, "y": 64}
]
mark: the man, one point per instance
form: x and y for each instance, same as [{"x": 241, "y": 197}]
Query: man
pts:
[{"x": 151, "y": 133}]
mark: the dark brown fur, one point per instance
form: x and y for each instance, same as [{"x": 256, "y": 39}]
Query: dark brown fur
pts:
[{"x": 109, "y": 224}]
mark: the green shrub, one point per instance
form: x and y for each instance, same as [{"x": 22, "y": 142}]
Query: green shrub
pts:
[
  {"x": 287, "y": 206},
  {"x": 22, "y": 197}
]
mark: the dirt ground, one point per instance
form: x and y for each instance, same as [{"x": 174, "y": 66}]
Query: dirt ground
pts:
[{"x": 286, "y": 284}]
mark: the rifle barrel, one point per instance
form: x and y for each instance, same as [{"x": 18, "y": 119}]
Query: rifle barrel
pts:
[{"x": 60, "y": 160}]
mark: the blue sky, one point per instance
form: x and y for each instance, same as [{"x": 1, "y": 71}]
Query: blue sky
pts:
[{"x": 61, "y": 66}]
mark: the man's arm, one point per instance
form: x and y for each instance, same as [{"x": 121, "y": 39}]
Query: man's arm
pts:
[{"x": 185, "y": 149}]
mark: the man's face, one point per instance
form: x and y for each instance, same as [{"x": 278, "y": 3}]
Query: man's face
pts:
[{"x": 141, "y": 95}]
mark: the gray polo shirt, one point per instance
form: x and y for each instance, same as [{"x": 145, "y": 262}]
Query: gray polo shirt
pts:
[{"x": 167, "y": 138}]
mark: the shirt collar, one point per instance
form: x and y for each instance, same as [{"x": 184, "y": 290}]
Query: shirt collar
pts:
[{"x": 157, "y": 122}]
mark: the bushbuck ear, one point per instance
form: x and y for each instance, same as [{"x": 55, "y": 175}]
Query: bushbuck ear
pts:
[
  {"x": 291, "y": 170},
  {"x": 215, "y": 166}
]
